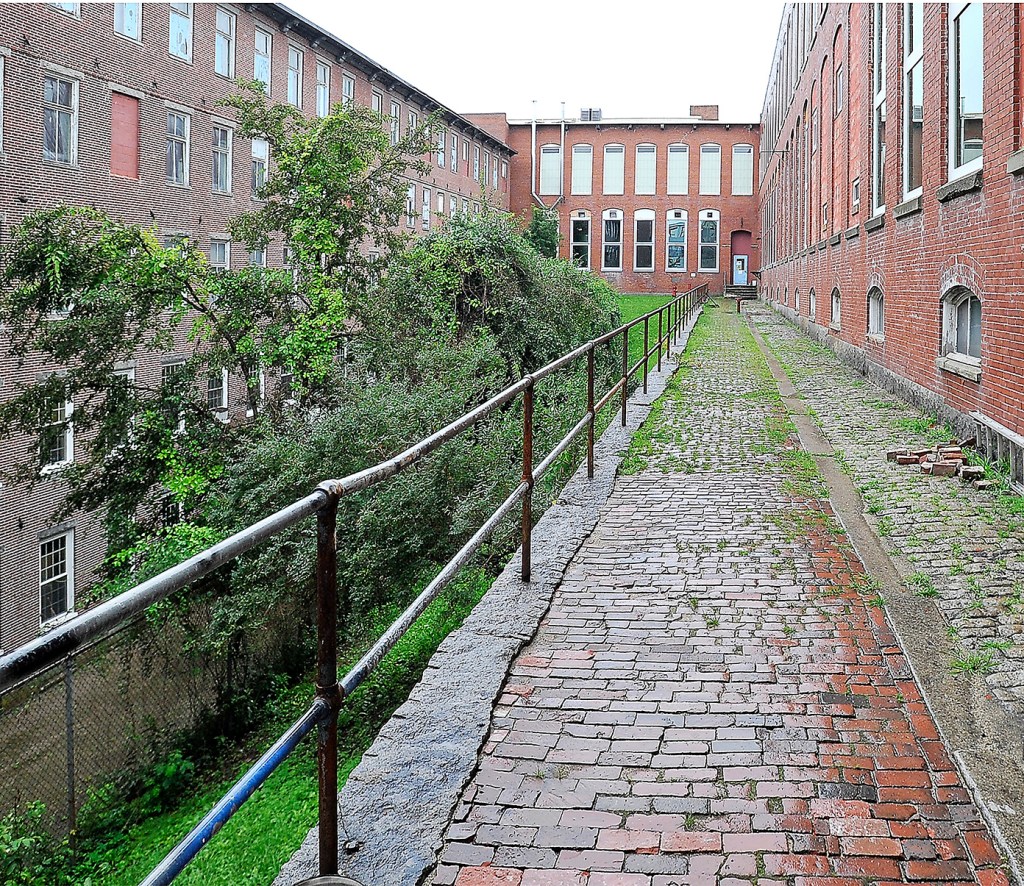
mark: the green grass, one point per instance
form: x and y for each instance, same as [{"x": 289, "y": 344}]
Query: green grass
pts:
[
  {"x": 972, "y": 663},
  {"x": 633, "y": 306}
]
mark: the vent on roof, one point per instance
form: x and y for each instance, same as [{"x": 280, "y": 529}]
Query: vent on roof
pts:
[{"x": 591, "y": 115}]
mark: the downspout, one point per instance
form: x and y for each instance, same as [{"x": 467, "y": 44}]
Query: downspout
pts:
[{"x": 533, "y": 155}]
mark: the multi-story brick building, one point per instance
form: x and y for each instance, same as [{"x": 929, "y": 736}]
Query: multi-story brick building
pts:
[
  {"x": 648, "y": 204},
  {"x": 892, "y": 199},
  {"x": 117, "y": 106}
]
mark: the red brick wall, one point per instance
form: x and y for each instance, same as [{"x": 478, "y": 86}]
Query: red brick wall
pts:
[{"x": 974, "y": 238}]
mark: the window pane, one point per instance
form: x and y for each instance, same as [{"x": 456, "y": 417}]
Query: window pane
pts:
[
  {"x": 974, "y": 344},
  {"x": 644, "y": 256},
  {"x": 968, "y": 108},
  {"x": 613, "y": 229},
  {"x": 676, "y": 231},
  {"x": 708, "y": 231},
  {"x": 580, "y": 230},
  {"x": 676, "y": 256},
  {"x": 963, "y": 313},
  {"x": 708, "y": 257},
  {"x": 645, "y": 230},
  {"x": 581, "y": 254},
  {"x": 611, "y": 257},
  {"x": 915, "y": 126}
]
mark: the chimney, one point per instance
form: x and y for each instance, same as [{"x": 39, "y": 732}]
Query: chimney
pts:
[{"x": 704, "y": 112}]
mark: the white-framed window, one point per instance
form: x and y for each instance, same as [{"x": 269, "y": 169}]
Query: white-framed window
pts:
[
  {"x": 442, "y": 149},
  {"x": 966, "y": 93},
  {"x": 323, "y": 89},
  {"x": 582, "y": 170},
  {"x": 550, "y": 170},
  {"x": 476, "y": 163},
  {"x": 643, "y": 240},
  {"x": 170, "y": 385},
  {"x": 260, "y": 383},
  {"x": 413, "y": 121},
  {"x": 709, "y": 222},
  {"x": 579, "y": 235},
  {"x": 56, "y": 578},
  {"x": 614, "y": 169},
  {"x": 879, "y": 39},
  {"x": 295, "y": 58},
  {"x": 70, "y": 8},
  {"x": 812, "y": 304},
  {"x": 855, "y": 193},
  {"x": 476, "y": 208},
  {"x": 486, "y": 168},
  {"x": 678, "y": 169},
  {"x": 179, "y": 35},
  {"x": 377, "y": 103},
  {"x": 178, "y": 125},
  {"x": 221, "y": 159},
  {"x": 455, "y": 153},
  {"x": 876, "y": 313},
  {"x": 260, "y": 163},
  {"x": 494, "y": 172},
  {"x": 838, "y": 90},
  {"x": 224, "y": 44},
  {"x": 60, "y": 120},
  {"x": 410, "y": 206},
  {"x": 425, "y": 213},
  {"x": 645, "y": 172},
  {"x": 961, "y": 325},
  {"x": 220, "y": 253},
  {"x": 465, "y": 205},
  {"x": 261, "y": 59},
  {"x": 57, "y": 439},
  {"x": 396, "y": 122},
  {"x": 611, "y": 245},
  {"x": 217, "y": 393},
  {"x": 504, "y": 169},
  {"x": 465, "y": 150},
  {"x": 913, "y": 98},
  {"x": 128, "y": 20},
  {"x": 836, "y": 315},
  {"x": 675, "y": 240},
  {"x": 440, "y": 203},
  {"x": 796, "y": 300},
  {"x": 258, "y": 257},
  {"x": 348, "y": 89},
  {"x": 710, "y": 169},
  {"x": 743, "y": 169}
]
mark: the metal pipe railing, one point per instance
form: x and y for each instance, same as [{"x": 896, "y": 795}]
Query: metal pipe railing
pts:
[{"x": 323, "y": 501}]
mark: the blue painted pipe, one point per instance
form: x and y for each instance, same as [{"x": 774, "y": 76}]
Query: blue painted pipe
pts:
[{"x": 175, "y": 862}]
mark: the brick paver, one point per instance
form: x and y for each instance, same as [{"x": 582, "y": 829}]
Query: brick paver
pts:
[{"x": 714, "y": 696}]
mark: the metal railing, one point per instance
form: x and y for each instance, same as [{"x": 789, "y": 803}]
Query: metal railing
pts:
[{"x": 322, "y": 713}]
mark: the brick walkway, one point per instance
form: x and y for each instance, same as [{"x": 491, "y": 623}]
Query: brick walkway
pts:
[{"x": 714, "y": 696}]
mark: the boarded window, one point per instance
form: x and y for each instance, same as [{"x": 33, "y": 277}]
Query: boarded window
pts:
[{"x": 124, "y": 135}]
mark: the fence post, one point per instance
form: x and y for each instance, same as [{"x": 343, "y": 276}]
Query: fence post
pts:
[
  {"x": 327, "y": 682},
  {"x": 625, "y": 371},
  {"x": 527, "y": 478},
  {"x": 590, "y": 411},
  {"x": 647, "y": 346},
  {"x": 661, "y": 335},
  {"x": 69, "y": 746}
]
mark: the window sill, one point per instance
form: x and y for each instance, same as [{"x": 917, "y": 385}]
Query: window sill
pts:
[
  {"x": 835, "y": 239},
  {"x": 877, "y": 338},
  {"x": 852, "y": 233},
  {"x": 957, "y": 365},
  {"x": 56, "y": 622},
  {"x": 907, "y": 207},
  {"x": 59, "y": 164},
  {"x": 874, "y": 223},
  {"x": 1014, "y": 165},
  {"x": 180, "y": 187},
  {"x": 960, "y": 186},
  {"x": 835, "y": 327}
]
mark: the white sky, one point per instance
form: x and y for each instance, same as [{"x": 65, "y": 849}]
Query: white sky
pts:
[{"x": 631, "y": 59}]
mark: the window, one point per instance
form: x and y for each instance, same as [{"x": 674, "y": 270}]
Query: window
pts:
[
  {"x": 414, "y": 121},
  {"x": 796, "y": 301},
  {"x": 57, "y": 439},
  {"x": 323, "y": 89},
  {"x": 170, "y": 383},
  {"x": 550, "y": 170},
  {"x": 961, "y": 315},
  {"x": 611, "y": 259},
  {"x": 465, "y": 205},
  {"x": 966, "y": 109},
  {"x": 614, "y": 169},
  {"x": 177, "y": 147},
  {"x": 836, "y": 317},
  {"x": 580, "y": 239},
  {"x": 221, "y": 159},
  {"x": 442, "y": 149},
  {"x": 582, "y": 169},
  {"x": 476, "y": 163},
  {"x": 465, "y": 150},
  {"x": 743, "y": 169},
  {"x": 258, "y": 257},
  {"x": 348, "y": 89},
  {"x": 824, "y": 216},
  {"x": 1, "y": 104},
  {"x": 295, "y": 76},
  {"x": 504, "y": 169},
  {"x": 426, "y": 209},
  {"x": 455, "y": 153},
  {"x": 440, "y": 203},
  {"x": 487, "y": 168},
  {"x": 124, "y": 135},
  {"x": 217, "y": 393},
  {"x": 69, "y": 8},
  {"x": 878, "y": 50},
  {"x": 855, "y": 189},
  {"x": 220, "y": 254},
  {"x": 675, "y": 240},
  {"x": 838, "y": 90},
  {"x": 224, "y": 44},
  {"x": 377, "y": 103},
  {"x": 913, "y": 97},
  {"x": 494, "y": 173},
  {"x": 643, "y": 240},
  {"x": 710, "y": 169},
  {"x": 876, "y": 313},
  {"x": 410, "y": 206},
  {"x": 396, "y": 122},
  {"x": 812, "y": 304},
  {"x": 709, "y": 223},
  {"x": 128, "y": 20},
  {"x": 56, "y": 577},
  {"x": 60, "y": 120},
  {"x": 260, "y": 163},
  {"x": 261, "y": 59},
  {"x": 678, "y": 169},
  {"x": 646, "y": 168},
  {"x": 179, "y": 38}
]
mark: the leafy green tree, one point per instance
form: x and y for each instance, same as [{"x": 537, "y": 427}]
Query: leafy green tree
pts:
[{"x": 542, "y": 231}]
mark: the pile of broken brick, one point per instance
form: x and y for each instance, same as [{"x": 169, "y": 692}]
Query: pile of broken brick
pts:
[{"x": 944, "y": 460}]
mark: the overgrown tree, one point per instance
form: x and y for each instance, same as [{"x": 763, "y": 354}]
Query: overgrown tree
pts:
[{"x": 542, "y": 231}]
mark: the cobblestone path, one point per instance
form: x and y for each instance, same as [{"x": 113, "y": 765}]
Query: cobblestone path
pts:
[
  {"x": 715, "y": 695},
  {"x": 964, "y": 549}
]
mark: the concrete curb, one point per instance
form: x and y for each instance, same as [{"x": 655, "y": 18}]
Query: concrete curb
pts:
[{"x": 397, "y": 803}]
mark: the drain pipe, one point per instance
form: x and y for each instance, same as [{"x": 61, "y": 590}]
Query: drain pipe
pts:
[
  {"x": 533, "y": 160},
  {"x": 533, "y": 155},
  {"x": 561, "y": 158}
]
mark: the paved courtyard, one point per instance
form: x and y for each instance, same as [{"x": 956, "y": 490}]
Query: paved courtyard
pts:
[{"x": 715, "y": 695}]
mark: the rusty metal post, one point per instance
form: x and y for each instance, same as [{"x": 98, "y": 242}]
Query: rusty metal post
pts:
[
  {"x": 647, "y": 346},
  {"x": 327, "y": 681},
  {"x": 661, "y": 335},
  {"x": 625, "y": 372},
  {"x": 527, "y": 478},
  {"x": 69, "y": 747},
  {"x": 590, "y": 410}
]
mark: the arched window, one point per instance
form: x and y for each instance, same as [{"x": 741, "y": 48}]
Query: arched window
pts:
[
  {"x": 614, "y": 169},
  {"x": 678, "y": 169},
  {"x": 643, "y": 240},
  {"x": 550, "y": 170},
  {"x": 611, "y": 251},
  {"x": 709, "y": 232},
  {"x": 582, "y": 169},
  {"x": 644, "y": 178},
  {"x": 836, "y": 317},
  {"x": 710, "y": 169},
  {"x": 812, "y": 304},
  {"x": 675, "y": 240},
  {"x": 579, "y": 228},
  {"x": 796, "y": 300},
  {"x": 876, "y": 312},
  {"x": 961, "y": 325},
  {"x": 743, "y": 169}
]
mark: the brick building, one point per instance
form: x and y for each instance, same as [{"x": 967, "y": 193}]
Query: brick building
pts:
[
  {"x": 121, "y": 113},
  {"x": 648, "y": 204},
  {"x": 892, "y": 200}
]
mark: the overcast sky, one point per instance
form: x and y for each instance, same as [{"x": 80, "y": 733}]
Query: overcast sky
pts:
[{"x": 631, "y": 59}]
